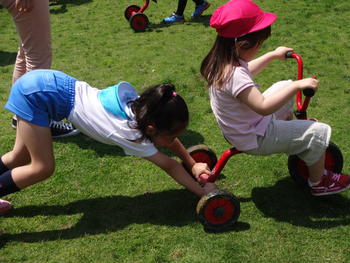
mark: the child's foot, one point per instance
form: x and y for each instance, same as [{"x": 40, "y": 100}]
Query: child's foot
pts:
[
  {"x": 5, "y": 206},
  {"x": 331, "y": 183},
  {"x": 200, "y": 9},
  {"x": 174, "y": 18},
  {"x": 59, "y": 129}
]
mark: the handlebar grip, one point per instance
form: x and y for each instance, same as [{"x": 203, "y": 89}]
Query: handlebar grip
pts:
[
  {"x": 289, "y": 54},
  {"x": 308, "y": 92}
]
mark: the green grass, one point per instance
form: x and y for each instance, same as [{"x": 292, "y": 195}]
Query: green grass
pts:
[{"x": 102, "y": 206}]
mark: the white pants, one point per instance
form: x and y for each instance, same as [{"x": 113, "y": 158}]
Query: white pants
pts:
[{"x": 304, "y": 138}]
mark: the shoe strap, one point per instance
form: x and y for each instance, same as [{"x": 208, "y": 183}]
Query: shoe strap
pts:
[
  {"x": 335, "y": 177},
  {"x": 61, "y": 125}
]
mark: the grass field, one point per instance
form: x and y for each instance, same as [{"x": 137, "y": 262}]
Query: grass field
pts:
[{"x": 103, "y": 206}]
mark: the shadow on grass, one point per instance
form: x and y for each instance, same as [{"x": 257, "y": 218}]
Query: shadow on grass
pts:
[
  {"x": 286, "y": 202},
  {"x": 87, "y": 143},
  {"x": 109, "y": 214},
  {"x": 63, "y": 5},
  {"x": 157, "y": 27},
  {"x": 237, "y": 227},
  {"x": 189, "y": 138},
  {"x": 7, "y": 58}
]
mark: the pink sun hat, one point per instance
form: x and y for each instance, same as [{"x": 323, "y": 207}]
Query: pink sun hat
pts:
[{"x": 240, "y": 17}]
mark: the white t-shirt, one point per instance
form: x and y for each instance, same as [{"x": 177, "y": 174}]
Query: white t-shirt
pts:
[
  {"x": 239, "y": 124},
  {"x": 89, "y": 116}
]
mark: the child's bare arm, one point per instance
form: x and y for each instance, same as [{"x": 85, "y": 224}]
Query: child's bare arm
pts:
[
  {"x": 257, "y": 65},
  {"x": 179, "y": 174},
  {"x": 180, "y": 151},
  {"x": 267, "y": 105}
]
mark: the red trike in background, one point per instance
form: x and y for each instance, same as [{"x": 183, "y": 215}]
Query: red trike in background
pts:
[
  {"x": 219, "y": 209},
  {"x": 137, "y": 19}
]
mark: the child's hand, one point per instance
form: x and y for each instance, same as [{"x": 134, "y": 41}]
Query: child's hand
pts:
[
  {"x": 23, "y": 6},
  {"x": 208, "y": 187},
  {"x": 307, "y": 83},
  {"x": 280, "y": 52},
  {"x": 200, "y": 168}
]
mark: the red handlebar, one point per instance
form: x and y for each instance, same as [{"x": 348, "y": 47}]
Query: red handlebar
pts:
[
  {"x": 301, "y": 106},
  {"x": 297, "y": 57},
  {"x": 220, "y": 164}
]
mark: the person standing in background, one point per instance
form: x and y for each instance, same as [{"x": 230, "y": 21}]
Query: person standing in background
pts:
[
  {"x": 178, "y": 16},
  {"x": 32, "y": 21}
]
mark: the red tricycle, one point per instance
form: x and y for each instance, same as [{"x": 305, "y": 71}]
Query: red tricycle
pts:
[
  {"x": 137, "y": 19},
  {"x": 220, "y": 209}
]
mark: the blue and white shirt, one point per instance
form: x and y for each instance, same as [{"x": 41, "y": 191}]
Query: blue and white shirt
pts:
[{"x": 94, "y": 115}]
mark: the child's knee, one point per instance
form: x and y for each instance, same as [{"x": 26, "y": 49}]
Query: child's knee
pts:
[
  {"x": 43, "y": 171},
  {"x": 48, "y": 171},
  {"x": 317, "y": 140}
]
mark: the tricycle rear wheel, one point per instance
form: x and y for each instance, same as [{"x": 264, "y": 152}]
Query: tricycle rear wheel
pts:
[
  {"x": 300, "y": 173},
  {"x": 130, "y": 10}
]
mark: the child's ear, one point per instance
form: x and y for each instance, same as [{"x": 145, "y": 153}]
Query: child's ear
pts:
[
  {"x": 151, "y": 130},
  {"x": 239, "y": 45}
]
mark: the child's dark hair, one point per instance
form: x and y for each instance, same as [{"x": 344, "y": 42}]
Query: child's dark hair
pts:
[
  {"x": 161, "y": 107},
  {"x": 217, "y": 66},
  {"x": 255, "y": 38}
]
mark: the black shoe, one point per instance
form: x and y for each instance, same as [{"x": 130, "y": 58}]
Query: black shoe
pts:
[
  {"x": 59, "y": 129},
  {"x": 14, "y": 122}
]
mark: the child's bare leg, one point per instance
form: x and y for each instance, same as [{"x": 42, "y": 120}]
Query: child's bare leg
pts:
[
  {"x": 316, "y": 170},
  {"x": 38, "y": 142},
  {"x": 19, "y": 155}
]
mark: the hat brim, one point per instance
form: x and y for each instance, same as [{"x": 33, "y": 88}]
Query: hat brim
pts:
[{"x": 267, "y": 20}]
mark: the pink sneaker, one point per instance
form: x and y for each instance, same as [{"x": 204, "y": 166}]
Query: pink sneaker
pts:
[
  {"x": 331, "y": 183},
  {"x": 5, "y": 206}
]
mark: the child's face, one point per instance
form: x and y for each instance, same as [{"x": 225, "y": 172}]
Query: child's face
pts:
[
  {"x": 249, "y": 54},
  {"x": 165, "y": 140}
]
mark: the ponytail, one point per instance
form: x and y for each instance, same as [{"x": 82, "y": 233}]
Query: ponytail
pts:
[{"x": 161, "y": 107}]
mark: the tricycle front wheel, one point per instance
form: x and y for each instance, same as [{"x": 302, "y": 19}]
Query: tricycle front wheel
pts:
[{"x": 218, "y": 210}]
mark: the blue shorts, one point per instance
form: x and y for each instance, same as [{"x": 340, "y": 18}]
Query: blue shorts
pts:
[{"x": 41, "y": 95}]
